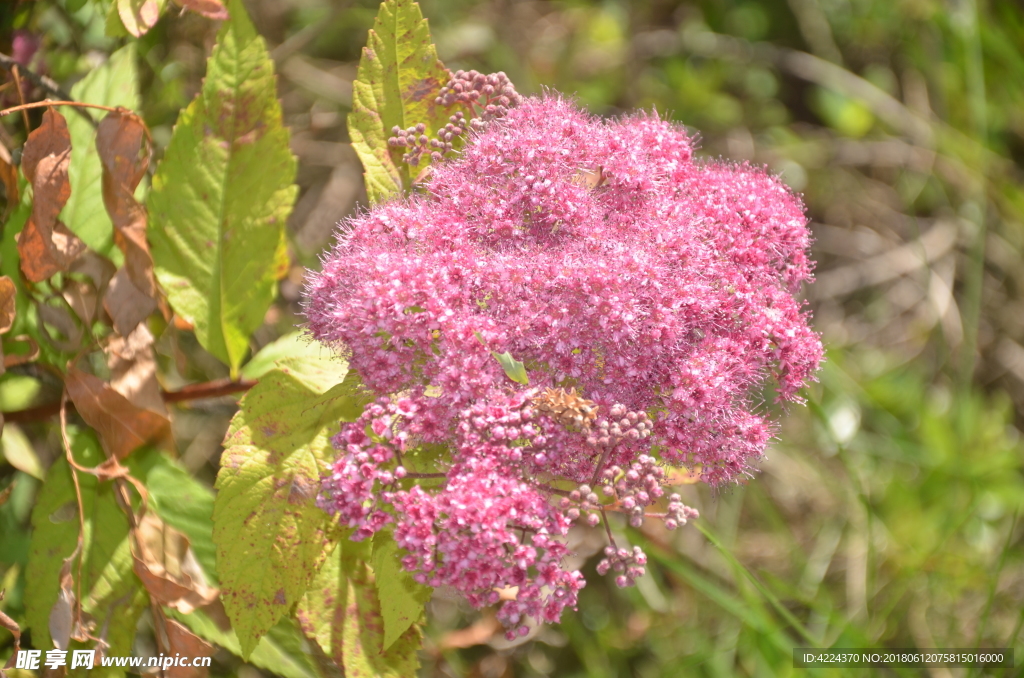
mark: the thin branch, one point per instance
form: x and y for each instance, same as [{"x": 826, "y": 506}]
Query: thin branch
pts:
[
  {"x": 46, "y": 103},
  {"x": 21, "y": 97},
  {"x": 209, "y": 389},
  {"x": 72, "y": 466},
  {"x": 9, "y": 64}
]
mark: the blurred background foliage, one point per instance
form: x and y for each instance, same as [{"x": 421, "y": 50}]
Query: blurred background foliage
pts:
[{"x": 887, "y": 514}]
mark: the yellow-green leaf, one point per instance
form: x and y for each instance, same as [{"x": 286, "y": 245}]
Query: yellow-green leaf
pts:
[
  {"x": 398, "y": 80},
  {"x": 222, "y": 194},
  {"x": 341, "y": 612},
  {"x": 402, "y": 598},
  {"x": 115, "y": 83},
  {"x": 270, "y": 535}
]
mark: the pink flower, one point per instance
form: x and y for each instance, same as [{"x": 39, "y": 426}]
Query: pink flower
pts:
[{"x": 601, "y": 255}]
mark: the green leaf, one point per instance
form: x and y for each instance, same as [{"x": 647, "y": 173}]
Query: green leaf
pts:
[
  {"x": 341, "y": 612},
  {"x": 270, "y": 535},
  {"x": 398, "y": 80},
  {"x": 115, "y": 83},
  {"x": 402, "y": 598},
  {"x": 17, "y": 449},
  {"x": 110, "y": 591},
  {"x": 222, "y": 194},
  {"x": 513, "y": 368},
  {"x": 297, "y": 350},
  {"x": 275, "y": 652}
]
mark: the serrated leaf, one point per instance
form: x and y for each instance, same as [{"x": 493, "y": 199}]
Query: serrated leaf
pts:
[
  {"x": 341, "y": 612},
  {"x": 278, "y": 652},
  {"x": 110, "y": 591},
  {"x": 398, "y": 79},
  {"x": 115, "y": 83},
  {"x": 514, "y": 369},
  {"x": 222, "y": 194},
  {"x": 401, "y": 597},
  {"x": 276, "y": 449}
]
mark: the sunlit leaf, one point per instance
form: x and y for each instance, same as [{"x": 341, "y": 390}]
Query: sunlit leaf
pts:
[
  {"x": 122, "y": 426},
  {"x": 341, "y": 612},
  {"x": 398, "y": 80},
  {"x": 222, "y": 194},
  {"x": 45, "y": 245},
  {"x": 514, "y": 369},
  {"x": 402, "y": 598},
  {"x": 114, "y": 83},
  {"x": 276, "y": 449}
]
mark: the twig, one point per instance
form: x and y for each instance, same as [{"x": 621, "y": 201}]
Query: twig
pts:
[
  {"x": 21, "y": 97},
  {"x": 72, "y": 466},
  {"x": 46, "y": 103},
  {"x": 209, "y": 389},
  {"x": 8, "y": 63}
]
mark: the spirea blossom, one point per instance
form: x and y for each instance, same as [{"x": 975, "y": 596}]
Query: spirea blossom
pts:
[{"x": 651, "y": 298}]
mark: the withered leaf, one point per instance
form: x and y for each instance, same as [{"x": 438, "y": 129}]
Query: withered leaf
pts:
[
  {"x": 168, "y": 568},
  {"x": 138, "y": 16},
  {"x": 121, "y": 141},
  {"x": 68, "y": 333},
  {"x": 45, "y": 245},
  {"x": 122, "y": 426},
  {"x": 126, "y": 305},
  {"x": 83, "y": 295},
  {"x": 8, "y": 295},
  {"x": 96, "y": 267},
  {"x": 15, "y": 630},
  {"x": 5, "y": 493},
  {"x": 62, "y": 614},
  {"x": 9, "y": 179},
  {"x": 132, "y": 366},
  {"x": 211, "y": 9},
  {"x": 182, "y": 641}
]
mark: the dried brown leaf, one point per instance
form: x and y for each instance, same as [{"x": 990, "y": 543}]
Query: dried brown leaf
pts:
[
  {"x": 15, "y": 630},
  {"x": 167, "y": 567},
  {"x": 132, "y": 366},
  {"x": 138, "y": 16},
  {"x": 122, "y": 426},
  {"x": 182, "y": 641},
  {"x": 45, "y": 245},
  {"x": 211, "y": 9},
  {"x": 9, "y": 179},
  {"x": 126, "y": 305},
  {"x": 5, "y": 493},
  {"x": 96, "y": 267},
  {"x": 8, "y": 295},
  {"x": 61, "y": 319},
  {"x": 62, "y": 614},
  {"x": 124, "y": 153}
]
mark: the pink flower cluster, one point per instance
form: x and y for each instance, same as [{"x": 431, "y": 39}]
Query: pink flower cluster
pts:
[{"x": 607, "y": 260}]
